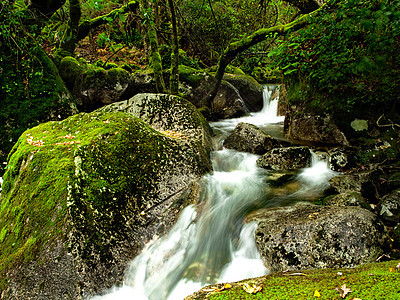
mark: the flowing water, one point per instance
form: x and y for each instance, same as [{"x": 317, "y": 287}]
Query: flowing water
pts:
[{"x": 210, "y": 243}]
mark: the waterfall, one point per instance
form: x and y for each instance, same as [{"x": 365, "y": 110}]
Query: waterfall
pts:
[{"x": 210, "y": 243}]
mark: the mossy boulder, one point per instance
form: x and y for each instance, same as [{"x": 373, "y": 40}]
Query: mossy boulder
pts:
[
  {"x": 82, "y": 196},
  {"x": 311, "y": 236}
]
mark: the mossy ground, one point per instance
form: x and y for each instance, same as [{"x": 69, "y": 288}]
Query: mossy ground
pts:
[{"x": 370, "y": 281}]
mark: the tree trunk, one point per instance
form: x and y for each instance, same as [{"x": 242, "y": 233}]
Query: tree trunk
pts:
[
  {"x": 174, "y": 77},
  {"x": 155, "y": 54},
  {"x": 70, "y": 38}
]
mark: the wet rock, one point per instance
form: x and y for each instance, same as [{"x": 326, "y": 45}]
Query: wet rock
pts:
[
  {"x": 249, "y": 138},
  {"x": 88, "y": 193},
  {"x": 289, "y": 158},
  {"x": 309, "y": 236},
  {"x": 389, "y": 207},
  {"x": 314, "y": 128},
  {"x": 347, "y": 199}
]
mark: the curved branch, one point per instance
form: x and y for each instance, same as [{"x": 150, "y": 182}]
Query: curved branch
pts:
[{"x": 260, "y": 35}]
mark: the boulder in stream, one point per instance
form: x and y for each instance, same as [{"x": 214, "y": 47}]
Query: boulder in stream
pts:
[
  {"x": 81, "y": 197},
  {"x": 310, "y": 236},
  {"x": 289, "y": 158},
  {"x": 249, "y": 138}
]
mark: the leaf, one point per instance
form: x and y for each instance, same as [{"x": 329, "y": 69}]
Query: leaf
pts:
[
  {"x": 317, "y": 294},
  {"x": 343, "y": 290},
  {"x": 252, "y": 289}
]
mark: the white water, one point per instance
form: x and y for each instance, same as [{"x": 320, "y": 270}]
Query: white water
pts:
[{"x": 210, "y": 243}]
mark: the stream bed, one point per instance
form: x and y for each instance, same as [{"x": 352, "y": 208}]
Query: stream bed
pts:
[{"x": 210, "y": 242}]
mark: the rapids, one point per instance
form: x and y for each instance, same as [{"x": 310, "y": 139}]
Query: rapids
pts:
[{"x": 210, "y": 243}]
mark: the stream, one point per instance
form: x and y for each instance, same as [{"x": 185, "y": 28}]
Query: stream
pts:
[{"x": 211, "y": 243}]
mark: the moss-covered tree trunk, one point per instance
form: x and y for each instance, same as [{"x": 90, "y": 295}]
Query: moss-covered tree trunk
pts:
[
  {"x": 70, "y": 38},
  {"x": 155, "y": 53},
  {"x": 174, "y": 78}
]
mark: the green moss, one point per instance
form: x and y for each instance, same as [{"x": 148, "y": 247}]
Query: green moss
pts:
[
  {"x": 70, "y": 69},
  {"x": 367, "y": 282}
]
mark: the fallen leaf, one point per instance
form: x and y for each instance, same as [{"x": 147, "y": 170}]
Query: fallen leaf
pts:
[
  {"x": 392, "y": 270},
  {"x": 343, "y": 290},
  {"x": 252, "y": 289},
  {"x": 317, "y": 294}
]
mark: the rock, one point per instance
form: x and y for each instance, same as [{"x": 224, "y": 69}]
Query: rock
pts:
[
  {"x": 97, "y": 87},
  {"x": 289, "y": 158},
  {"x": 347, "y": 199},
  {"x": 250, "y": 90},
  {"x": 81, "y": 197},
  {"x": 365, "y": 183},
  {"x": 195, "y": 86},
  {"x": 310, "y": 236},
  {"x": 227, "y": 103},
  {"x": 314, "y": 128},
  {"x": 389, "y": 207},
  {"x": 249, "y": 138}
]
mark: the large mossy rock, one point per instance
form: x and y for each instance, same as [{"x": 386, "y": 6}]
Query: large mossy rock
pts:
[
  {"x": 82, "y": 196},
  {"x": 310, "y": 236},
  {"x": 249, "y": 138}
]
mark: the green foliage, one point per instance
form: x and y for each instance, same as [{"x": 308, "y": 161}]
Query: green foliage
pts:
[
  {"x": 30, "y": 87},
  {"x": 348, "y": 53}
]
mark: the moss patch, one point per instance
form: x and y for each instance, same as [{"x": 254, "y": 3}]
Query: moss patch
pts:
[{"x": 371, "y": 281}]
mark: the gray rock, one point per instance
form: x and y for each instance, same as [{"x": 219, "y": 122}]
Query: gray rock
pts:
[
  {"x": 309, "y": 236},
  {"x": 289, "y": 158},
  {"x": 249, "y": 138},
  {"x": 250, "y": 90},
  {"x": 314, "y": 128},
  {"x": 97, "y": 87},
  {"x": 389, "y": 207}
]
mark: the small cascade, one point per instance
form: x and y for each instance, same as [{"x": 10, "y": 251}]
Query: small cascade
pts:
[{"x": 268, "y": 114}]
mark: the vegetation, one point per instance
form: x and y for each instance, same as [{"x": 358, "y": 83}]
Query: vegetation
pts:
[
  {"x": 367, "y": 282},
  {"x": 346, "y": 58}
]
